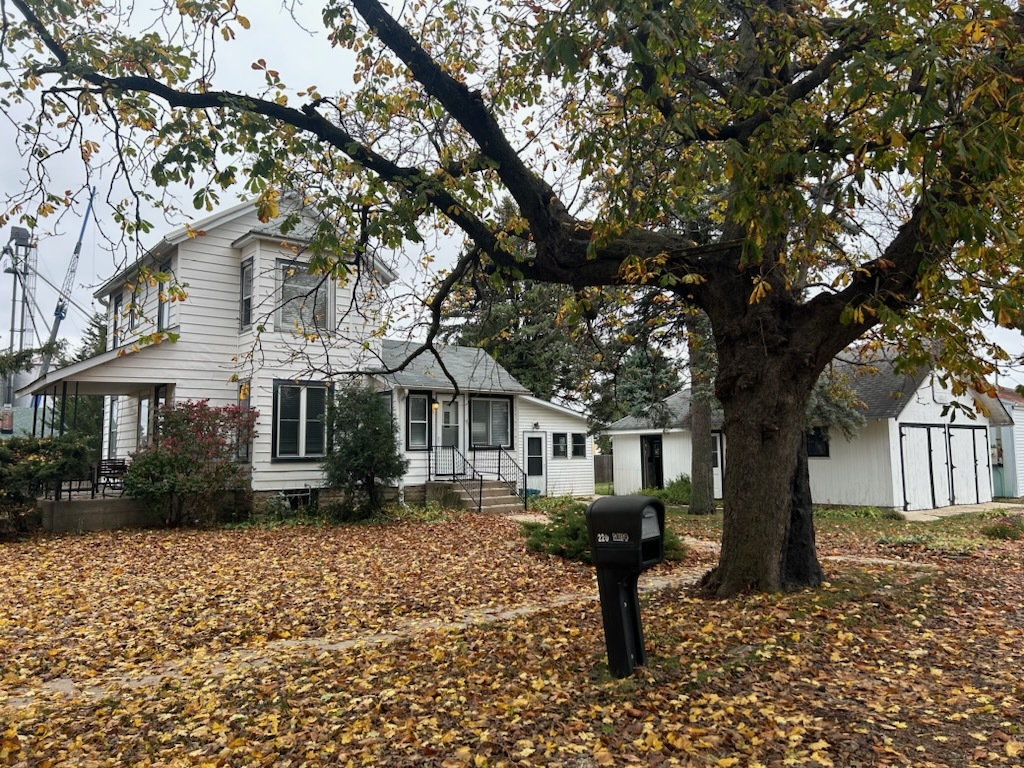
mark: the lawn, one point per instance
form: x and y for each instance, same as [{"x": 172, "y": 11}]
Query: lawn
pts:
[{"x": 449, "y": 644}]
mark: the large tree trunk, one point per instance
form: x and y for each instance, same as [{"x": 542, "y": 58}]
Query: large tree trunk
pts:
[{"x": 764, "y": 401}]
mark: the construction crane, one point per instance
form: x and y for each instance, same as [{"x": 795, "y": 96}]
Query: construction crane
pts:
[{"x": 64, "y": 297}]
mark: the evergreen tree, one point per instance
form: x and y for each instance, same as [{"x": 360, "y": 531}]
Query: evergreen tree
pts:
[{"x": 364, "y": 457}]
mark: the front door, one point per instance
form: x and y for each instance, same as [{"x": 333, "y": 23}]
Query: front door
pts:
[
  {"x": 451, "y": 457},
  {"x": 717, "y": 463},
  {"x": 652, "y": 470},
  {"x": 536, "y": 479}
]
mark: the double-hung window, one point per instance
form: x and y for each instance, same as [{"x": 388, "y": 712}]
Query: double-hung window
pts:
[
  {"x": 417, "y": 425},
  {"x": 245, "y": 295},
  {"x": 560, "y": 445},
  {"x": 579, "y": 445},
  {"x": 491, "y": 422},
  {"x": 300, "y": 413},
  {"x": 303, "y": 301}
]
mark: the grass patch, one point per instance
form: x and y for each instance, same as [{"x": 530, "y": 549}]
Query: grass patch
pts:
[
  {"x": 856, "y": 513},
  {"x": 1006, "y": 528},
  {"x": 604, "y": 489}
]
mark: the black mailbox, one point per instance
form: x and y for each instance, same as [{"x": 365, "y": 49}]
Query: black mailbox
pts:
[
  {"x": 627, "y": 536},
  {"x": 626, "y": 532}
]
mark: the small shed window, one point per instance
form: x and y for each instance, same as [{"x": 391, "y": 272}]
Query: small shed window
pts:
[
  {"x": 560, "y": 445},
  {"x": 817, "y": 443}
]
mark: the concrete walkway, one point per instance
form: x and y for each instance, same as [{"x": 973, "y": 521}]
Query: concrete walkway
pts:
[{"x": 926, "y": 515}]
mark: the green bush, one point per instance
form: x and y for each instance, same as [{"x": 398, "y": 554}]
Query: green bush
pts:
[
  {"x": 1008, "y": 528},
  {"x": 677, "y": 492},
  {"x": 31, "y": 465},
  {"x": 364, "y": 458},
  {"x": 565, "y": 535}
]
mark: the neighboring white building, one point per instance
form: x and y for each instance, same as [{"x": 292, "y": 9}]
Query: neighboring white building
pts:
[
  {"x": 914, "y": 452},
  {"x": 256, "y": 322},
  {"x": 1006, "y": 444}
]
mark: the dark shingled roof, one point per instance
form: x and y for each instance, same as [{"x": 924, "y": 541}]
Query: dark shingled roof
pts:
[
  {"x": 473, "y": 369},
  {"x": 677, "y": 415},
  {"x": 884, "y": 391}
]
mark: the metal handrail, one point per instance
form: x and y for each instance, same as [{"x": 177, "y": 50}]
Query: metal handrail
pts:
[
  {"x": 505, "y": 469},
  {"x": 452, "y": 458}
]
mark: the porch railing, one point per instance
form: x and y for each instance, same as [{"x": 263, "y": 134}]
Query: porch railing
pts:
[{"x": 448, "y": 463}]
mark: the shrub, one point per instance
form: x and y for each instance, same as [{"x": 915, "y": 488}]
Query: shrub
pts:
[
  {"x": 565, "y": 535},
  {"x": 1008, "y": 528},
  {"x": 677, "y": 492},
  {"x": 192, "y": 462},
  {"x": 30, "y": 465},
  {"x": 364, "y": 458}
]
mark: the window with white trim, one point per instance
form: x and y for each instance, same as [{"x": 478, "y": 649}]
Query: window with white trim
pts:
[
  {"x": 579, "y": 445},
  {"x": 417, "y": 423},
  {"x": 560, "y": 445},
  {"x": 303, "y": 305},
  {"x": 491, "y": 422},
  {"x": 300, "y": 420}
]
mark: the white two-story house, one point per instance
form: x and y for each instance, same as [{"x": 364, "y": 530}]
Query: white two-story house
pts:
[{"x": 227, "y": 310}]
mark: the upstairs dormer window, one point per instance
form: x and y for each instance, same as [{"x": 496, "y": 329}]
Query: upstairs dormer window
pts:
[{"x": 303, "y": 304}]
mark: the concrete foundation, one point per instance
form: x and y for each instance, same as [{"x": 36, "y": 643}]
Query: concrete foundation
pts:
[{"x": 78, "y": 515}]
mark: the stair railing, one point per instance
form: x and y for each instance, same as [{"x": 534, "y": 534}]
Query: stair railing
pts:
[
  {"x": 446, "y": 462},
  {"x": 500, "y": 464}
]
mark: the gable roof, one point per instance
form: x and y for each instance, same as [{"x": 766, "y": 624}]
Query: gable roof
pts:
[
  {"x": 472, "y": 368},
  {"x": 677, "y": 413},
  {"x": 299, "y": 236}
]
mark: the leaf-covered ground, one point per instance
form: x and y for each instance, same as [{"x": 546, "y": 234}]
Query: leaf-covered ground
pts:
[{"x": 449, "y": 644}]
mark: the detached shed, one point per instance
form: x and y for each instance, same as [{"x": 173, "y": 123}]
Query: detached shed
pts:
[{"x": 917, "y": 450}]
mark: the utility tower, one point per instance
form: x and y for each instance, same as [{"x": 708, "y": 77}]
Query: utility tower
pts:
[{"x": 19, "y": 257}]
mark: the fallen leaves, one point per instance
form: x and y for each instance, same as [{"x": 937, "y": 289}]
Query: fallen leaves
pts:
[{"x": 450, "y": 645}]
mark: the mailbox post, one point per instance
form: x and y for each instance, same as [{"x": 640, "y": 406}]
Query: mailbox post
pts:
[{"x": 627, "y": 536}]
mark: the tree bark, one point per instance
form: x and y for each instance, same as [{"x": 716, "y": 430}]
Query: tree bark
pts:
[
  {"x": 766, "y": 372},
  {"x": 800, "y": 567}
]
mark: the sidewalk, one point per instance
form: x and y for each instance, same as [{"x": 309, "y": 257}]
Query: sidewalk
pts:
[{"x": 926, "y": 515}]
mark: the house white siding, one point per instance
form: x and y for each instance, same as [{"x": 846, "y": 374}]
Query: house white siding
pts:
[
  {"x": 856, "y": 472},
  {"x": 567, "y": 475}
]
